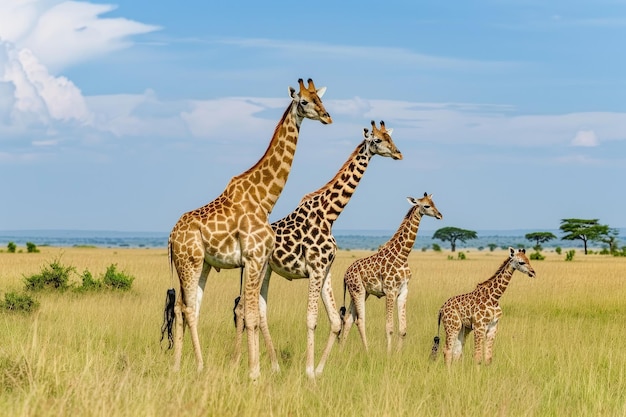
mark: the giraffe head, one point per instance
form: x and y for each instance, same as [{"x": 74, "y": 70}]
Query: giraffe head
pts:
[
  {"x": 519, "y": 262},
  {"x": 426, "y": 206},
  {"x": 309, "y": 102},
  {"x": 379, "y": 141}
]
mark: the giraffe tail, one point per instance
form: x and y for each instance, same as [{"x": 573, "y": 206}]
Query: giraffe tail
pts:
[
  {"x": 168, "y": 318},
  {"x": 342, "y": 310},
  {"x": 170, "y": 300},
  {"x": 435, "y": 348}
]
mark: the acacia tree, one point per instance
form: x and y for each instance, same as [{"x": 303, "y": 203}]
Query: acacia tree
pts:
[
  {"x": 540, "y": 237},
  {"x": 452, "y": 234},
  {"x": 585, "y": 230}
]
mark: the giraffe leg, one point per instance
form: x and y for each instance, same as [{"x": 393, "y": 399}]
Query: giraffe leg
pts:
[
  {"x": 253, "y": 271},
  {"x": 454, "y": 336},
  {"x": 179, "y": 330},
  {"x": 271, "y": 351},
  {"x": 459, "y": 343},
  {"x": 192, "y": 312},
  {"x": 390, "y": 301},
  {"x": 315, "y": 286},
  {"x": 479, "y": 340},
  {"x": 489, "y": 339},
  {"x": 404, "y": 292},
  {"x": 335, "y": 321},
  {"x": 360, "y": 317}
]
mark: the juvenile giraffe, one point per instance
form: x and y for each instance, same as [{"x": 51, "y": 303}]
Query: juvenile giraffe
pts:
[
  {"x": 386, "y": 274},
  {"x": 306, "y": 248},
  {"x": 233, "y": 230},
  {"x": 478, "y": 310}
]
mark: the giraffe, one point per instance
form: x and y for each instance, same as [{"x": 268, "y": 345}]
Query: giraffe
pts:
[
  {"x": 478, "y": 310},
  {"x": 386, "y": 273},
  {"x": 306, "y": 248},
  {"x": 233, "y": 230}
]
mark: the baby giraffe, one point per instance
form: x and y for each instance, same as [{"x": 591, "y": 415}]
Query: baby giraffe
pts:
[
  {"x": 386, "y": 274},
  {"x": 478, "y": 310}
]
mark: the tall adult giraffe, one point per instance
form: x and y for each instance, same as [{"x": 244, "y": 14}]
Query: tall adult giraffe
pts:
[
  {"x": 479, "y": 311},
  {"x": 233, "y": 230},
  {"x": 306, "y": 248},
  {"x": 386, "y": 274}
]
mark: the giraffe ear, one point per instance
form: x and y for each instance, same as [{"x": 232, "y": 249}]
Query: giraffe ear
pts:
[
  {"x": 412, "y": 201},
  {"x": 292, "y": 93},
  {"x": 512, "y": 254},
  {"x": 366, "y": 132},
  {"x": 390, "y": 131},
  {"x": 321, "y": 91}
]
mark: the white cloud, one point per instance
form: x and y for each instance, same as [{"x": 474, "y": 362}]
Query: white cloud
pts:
[
  {"x": 63, "y": 33},
  {"x": 586, "y": 138},
  {"x": 39, "y": 37}
]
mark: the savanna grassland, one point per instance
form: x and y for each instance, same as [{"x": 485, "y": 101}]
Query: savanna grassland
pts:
[{"x": 559, "y": 350}]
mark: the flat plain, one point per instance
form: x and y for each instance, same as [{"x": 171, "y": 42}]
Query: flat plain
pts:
[{"x": 559, "y": 349}]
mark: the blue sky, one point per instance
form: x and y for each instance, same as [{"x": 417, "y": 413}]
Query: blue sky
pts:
[{"x": 123, "y": 115}]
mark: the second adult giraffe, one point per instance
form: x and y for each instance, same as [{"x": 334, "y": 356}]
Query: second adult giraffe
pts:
[
  {"x": 386, "y": 274},
  {"x": 306, "y": 248},
  {"x": 233, "y": 230}
]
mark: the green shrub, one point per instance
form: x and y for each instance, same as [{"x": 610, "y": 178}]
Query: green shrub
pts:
[
  {"x": 436, "y": 247},
  {"x": 89, "y": 283},
  {"x": 461, "y": 256},
  {"x": 492, "y": 247},
  {"x": 54, "y": 276},
  {"x": 117, "y": 280},
  {"x": 536, "y": 256},
  {"x": 31, "y": 247},
  {"x": 558, "y": 250},
  {"x": 22, "y": 303},
  {"x": 569, "y": 256},
  {"x": 11, "y": 247}
]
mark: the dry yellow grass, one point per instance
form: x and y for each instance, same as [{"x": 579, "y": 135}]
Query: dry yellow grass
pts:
[{"x": 558, "y": 350}]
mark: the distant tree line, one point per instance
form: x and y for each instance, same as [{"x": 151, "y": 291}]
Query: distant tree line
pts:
[{"x": 586, "y": 230}]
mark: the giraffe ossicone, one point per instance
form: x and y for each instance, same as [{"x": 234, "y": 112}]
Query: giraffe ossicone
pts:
[
  {"x": 478, "y": 311},
  {"x": 386, "y": 273},
  {"x": 306, "y": 248},
  {"x": 233, "y": 230}
]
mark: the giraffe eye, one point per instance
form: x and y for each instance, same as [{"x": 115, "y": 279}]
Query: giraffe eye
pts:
[
  {"x": 377, "y": 140},
  {"x": 304, "y": 102},
  {"x": 522, "y": 263},
  {"x": 426, "y": 206}
]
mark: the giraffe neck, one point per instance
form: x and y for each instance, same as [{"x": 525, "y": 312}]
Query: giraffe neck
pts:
[
  {"x": 403, "y": 240},
  {"x": 497, "y": 284},
  {"x": 264, "y": 182},
  {"x": 333, "y": 197}
]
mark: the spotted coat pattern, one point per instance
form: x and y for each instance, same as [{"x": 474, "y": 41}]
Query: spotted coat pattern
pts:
[
  {"x": 306, "y": 248},
  {"x": 233, "y": 230},
  {"x": 386, "y": 274},
  {"x": 479, "y": 311}
]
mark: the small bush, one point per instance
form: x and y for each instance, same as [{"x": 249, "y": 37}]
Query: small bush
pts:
[
  {"x": 54, "y": 276},
  {"x": 461, "y": 256},
  {"x": 436, "y": 247},
  {"x": 536, "y": 256},
  {"x": 89, "y": 283},
  {"x": 558, "y": 250},
  {"x": 31, "y": 247},
  {"x": 11, "y": 247},
  {"x": 117, "y": 280},
  {"x": 22, "y": 303},
  {"x": 569, "y": 256},
  {"x": 492, "y": 247}
]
